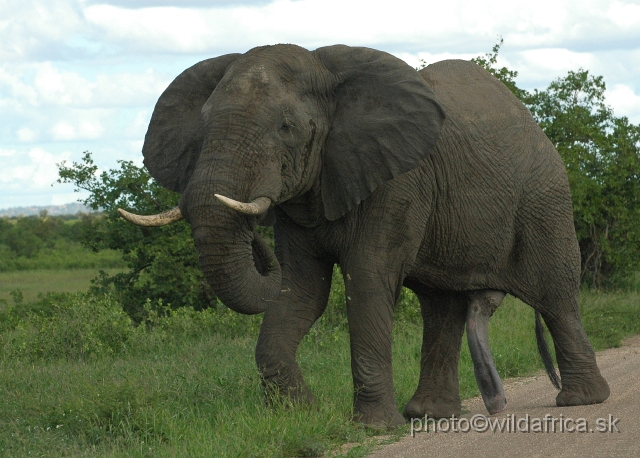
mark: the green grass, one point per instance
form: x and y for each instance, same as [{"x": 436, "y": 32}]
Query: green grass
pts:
[
  {"x": 78, "y": 379},
  {"x": 34, "y": 282}
]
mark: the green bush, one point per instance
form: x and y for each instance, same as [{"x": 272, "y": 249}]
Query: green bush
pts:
[
  {"x": 602, "y": 156},
  {"x": 86, "y": 325},
  {"x": 23, "y": 243},
  {"x": 50, "y": 242},
  {"x": 71, "y": 326},
  {"x": 162, "y": 262}
]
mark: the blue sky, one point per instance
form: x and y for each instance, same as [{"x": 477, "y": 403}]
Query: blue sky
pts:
[{"x": 80, "y": 75}]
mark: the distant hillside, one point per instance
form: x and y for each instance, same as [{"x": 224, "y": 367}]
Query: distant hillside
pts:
[{"x": 53, "y": 210}]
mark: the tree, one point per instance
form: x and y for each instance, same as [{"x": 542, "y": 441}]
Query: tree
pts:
[
  {"x": 162, "y": 261},
  {"x": 602, "y": 156}
]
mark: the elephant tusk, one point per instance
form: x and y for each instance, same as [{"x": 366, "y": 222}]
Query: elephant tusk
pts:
[
  {"x": 257, "y": 207},
  {"x": 162, "y": 219}
]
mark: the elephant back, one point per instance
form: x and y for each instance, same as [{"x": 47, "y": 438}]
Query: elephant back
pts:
[
  {"x": 473, "y": 95},
  {"x": 485, "y": 115}
]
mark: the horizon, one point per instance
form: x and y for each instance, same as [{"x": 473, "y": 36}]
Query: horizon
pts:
[{"x": 35, "y": 209}]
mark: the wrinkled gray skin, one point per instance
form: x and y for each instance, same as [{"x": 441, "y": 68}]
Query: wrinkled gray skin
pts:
[{"x": 438, "y": 180}]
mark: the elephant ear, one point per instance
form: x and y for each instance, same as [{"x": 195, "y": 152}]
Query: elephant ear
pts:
[
  {"x": 174, "y": 138},
  {"x": 386, "y": 120}
]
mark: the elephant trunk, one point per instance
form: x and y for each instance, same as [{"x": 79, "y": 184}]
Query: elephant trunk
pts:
[{"x": 238, "y": 264}]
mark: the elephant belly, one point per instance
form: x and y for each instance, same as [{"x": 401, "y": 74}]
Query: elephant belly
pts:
[{"x": 468, "y": 247}]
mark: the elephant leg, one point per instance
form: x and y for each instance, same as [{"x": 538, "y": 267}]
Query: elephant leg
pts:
[
  {"x": 305, "y": 290},
  {"x": 581, "y": 380},
  {"x": 371, "y": 297},
  {"x": 438, "y": 392},
  {"x": 482, "y": 304}
]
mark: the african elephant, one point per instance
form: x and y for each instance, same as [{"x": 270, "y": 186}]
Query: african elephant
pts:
[{"x": 438, "y": 180}]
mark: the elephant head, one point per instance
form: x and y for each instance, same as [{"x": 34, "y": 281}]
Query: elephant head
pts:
[{"x": 240, "y": 133}]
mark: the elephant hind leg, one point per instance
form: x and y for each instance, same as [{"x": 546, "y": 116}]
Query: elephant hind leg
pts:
[
  {"x": 582, "y": 382},
  {"x": 438, "y": 391}
]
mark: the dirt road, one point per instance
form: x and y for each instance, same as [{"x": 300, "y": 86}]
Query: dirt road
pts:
[{"x": 553, "y": 431}]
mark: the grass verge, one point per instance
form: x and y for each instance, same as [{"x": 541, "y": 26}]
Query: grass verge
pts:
[{"x": 78, "y": 379}]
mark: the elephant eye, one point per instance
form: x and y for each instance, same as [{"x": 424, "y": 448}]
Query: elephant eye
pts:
[{"x": 287, "y": 125}]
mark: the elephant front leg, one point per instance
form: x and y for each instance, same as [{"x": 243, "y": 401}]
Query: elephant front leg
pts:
[
  {"x": 370, "y": 305},
  {"x": 438, "y": 392},
  {"x": 305, "y": 291}
]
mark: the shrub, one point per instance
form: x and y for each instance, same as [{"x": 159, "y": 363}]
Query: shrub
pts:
[
  {"x": 72, "y": 326},
  {"x": 602, "y": 156},
  {"x": 162, "y": 261}
]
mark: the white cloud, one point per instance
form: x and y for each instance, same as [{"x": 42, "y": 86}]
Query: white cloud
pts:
[
  {"x": 130, "y": 89},
  {"x": 26, "y": 135},
  {"x": 11, "y": 82},
  {"x": 434, "y": 26},
  {"x": 175, "y": 29},
  {"x": 44, "y": 84},
  {"x": 138, "y": 127},
  {"x": 40, "y": 101},
  {"x": 625, "y": 101},
  {"x": 32, "y": 28},
  {"x": 543, "y": 65},
  {"x": 624, "y": 14},
  {"x": 63, "y": 131},
  {"x": 61, "y": 88},
  {"x": 80, "y": 130},
  {"x": 35, "y": 168}
]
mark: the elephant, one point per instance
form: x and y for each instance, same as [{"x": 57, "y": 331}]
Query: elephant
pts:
[{"x": 438, "y": 180}]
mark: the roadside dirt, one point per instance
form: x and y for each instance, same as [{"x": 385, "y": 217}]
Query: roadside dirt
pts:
[{"x": 553, "y": 431}]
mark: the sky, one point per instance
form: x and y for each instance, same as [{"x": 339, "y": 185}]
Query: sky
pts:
[{"x": 84, "y": 75}]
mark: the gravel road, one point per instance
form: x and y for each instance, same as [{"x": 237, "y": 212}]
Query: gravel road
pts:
[{"x": 553, "y": 431}]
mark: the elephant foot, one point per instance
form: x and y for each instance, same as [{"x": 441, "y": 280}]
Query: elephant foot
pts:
[
  {"x": 574, "y": 394},
  {"x": 379, "y": 419},
  {"x": 297, "y": 394},
  {"x": 286, "y": 385},
  {"x": 496, "y": 404},
  {"x": 419, "y": 407}
]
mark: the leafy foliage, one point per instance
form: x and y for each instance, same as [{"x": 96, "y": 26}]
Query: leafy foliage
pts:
[
  {"x": 78, "y": 326},
  {"x": 162, "y": 261},
  {"x": 48, "y": 242},
  {"x": 602, "y": 156}
]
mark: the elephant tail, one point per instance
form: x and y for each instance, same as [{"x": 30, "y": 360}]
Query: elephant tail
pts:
[{"x": 545, "y": 354}]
